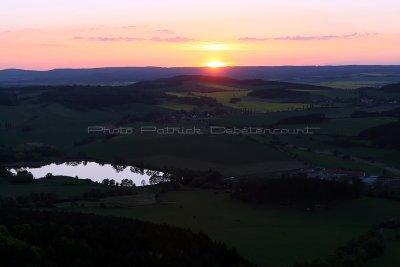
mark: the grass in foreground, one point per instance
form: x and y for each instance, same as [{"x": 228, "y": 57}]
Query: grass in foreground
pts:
[
  {"x": 266, "y": 234},
  {"x": 62, "y": 186}
]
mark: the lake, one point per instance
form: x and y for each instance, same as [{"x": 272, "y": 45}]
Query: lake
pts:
[{"x": 97, "y": 172}]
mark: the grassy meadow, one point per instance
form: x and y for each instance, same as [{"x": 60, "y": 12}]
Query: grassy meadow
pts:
[
  {"x": 62, "y": 186},
  {"x": 269, "y": 235}
]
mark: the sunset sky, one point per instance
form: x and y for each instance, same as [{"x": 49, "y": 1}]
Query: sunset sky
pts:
[{"x": 46, "y": 34}]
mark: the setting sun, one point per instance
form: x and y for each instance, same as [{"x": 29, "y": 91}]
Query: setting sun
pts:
[{"x": 216, "y": 64}]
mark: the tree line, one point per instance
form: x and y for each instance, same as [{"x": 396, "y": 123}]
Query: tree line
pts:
[{"x": 43, "y": 238}]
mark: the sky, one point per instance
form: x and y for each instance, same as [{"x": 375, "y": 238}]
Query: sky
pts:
[{"x": 47, "y": 34}]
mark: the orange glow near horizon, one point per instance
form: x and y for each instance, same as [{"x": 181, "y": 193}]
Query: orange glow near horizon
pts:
[
  {"x": 215, "y": 64},
  {"x": 56, "y": 49},
  {"x": 212, "y": 34}
]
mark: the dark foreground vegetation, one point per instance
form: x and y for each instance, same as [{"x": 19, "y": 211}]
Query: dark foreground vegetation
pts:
[
  {"x": 356, "y": 253},
  {"x": 39, "y": 238},
  {"x": 21, "y": 176}
]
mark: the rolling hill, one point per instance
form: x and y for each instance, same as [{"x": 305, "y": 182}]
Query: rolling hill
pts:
[{"x": 340, "y": 76}]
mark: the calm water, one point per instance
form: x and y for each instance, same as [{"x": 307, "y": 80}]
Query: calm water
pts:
[{"x": 98, "y": 172}]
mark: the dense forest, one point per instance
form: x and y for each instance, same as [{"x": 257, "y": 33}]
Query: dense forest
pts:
[{"x": 41, "y": 238}]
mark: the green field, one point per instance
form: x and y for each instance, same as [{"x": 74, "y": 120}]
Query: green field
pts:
[
  {"x": 332, "y": 162},
  {"x": 260, "y": 106},
  {"x": 178, "y": 106},
  {"x": 269, "y": 235},
  {"x": 250, "y": 103},
  {"x": 224, "y": 97},
  {"x": 351, "y": 84},
  {"x": 351, "y": 126},
  {"x": 246, "y": 102},
  {"x": 56, "y": 124},
  {"x": 69, "y": 125},
  {"x": 195, "y": 152},
  {"x": 62, "y": 186}
]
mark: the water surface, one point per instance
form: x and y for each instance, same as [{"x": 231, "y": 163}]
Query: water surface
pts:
[{"x": 98, "y": 172}]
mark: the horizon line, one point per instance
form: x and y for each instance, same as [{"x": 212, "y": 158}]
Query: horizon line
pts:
[{"x": 200, "y": 67}]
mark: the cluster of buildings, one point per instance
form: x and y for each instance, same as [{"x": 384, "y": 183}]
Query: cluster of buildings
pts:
[
  {"x": 371, "y": 101},
  {"x": 348, "y": 176},
  {"x": 341, "y": 175}
]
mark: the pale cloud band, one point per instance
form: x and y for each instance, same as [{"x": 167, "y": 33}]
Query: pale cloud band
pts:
[
  {"x": 109, "y": 39},
  {"x": 177, "y": 39},
  {"x": 306, "y": 37}
]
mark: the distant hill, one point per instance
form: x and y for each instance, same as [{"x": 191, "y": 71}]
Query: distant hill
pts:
[
  {"x": 156, "y": 92},
  {"x": 125, "y": 75},
  {"x": 258, "y": 84}
]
